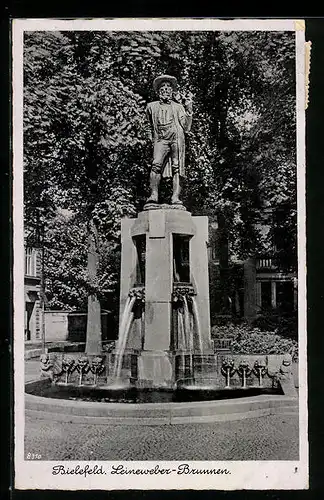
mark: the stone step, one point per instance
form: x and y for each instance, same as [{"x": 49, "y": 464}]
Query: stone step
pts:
[{"x": 159, "y": 413}]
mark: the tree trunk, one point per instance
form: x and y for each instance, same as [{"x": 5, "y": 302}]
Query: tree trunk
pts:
[
  {"x": 249, "y": 289},
  {"x": 93, "y": 335}
]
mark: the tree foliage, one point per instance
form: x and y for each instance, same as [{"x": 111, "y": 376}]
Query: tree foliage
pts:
[{"x": 85, "y": 150}]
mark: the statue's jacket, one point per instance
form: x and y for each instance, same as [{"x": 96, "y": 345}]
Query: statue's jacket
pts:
[{"x": 183, "y": 124}]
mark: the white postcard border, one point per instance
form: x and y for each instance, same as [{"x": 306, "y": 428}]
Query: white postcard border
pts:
[{"x": 244, "y": 475}]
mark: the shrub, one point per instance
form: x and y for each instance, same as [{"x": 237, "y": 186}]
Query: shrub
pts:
[
  {"x": 284, "y": 324},
  {"x": 247, "y": 339}
]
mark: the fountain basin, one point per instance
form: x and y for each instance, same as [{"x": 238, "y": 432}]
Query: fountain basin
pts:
[
  {"x": 132, "y": 394},
  {"x": 152, "y": 413}
]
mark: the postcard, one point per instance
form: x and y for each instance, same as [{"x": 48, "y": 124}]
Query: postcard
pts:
[{"x": 159, "y": 254}]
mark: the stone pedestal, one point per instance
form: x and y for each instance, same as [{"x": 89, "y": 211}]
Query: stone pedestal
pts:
[
  {"x": 200, "y": 279},
  {"x": 158, "y": 283},
  {"x": 152, "y": 334},
  {"x": 155, "y": 369}
]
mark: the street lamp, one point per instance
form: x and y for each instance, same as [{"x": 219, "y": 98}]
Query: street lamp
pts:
[{"x": 40, "y": 239}]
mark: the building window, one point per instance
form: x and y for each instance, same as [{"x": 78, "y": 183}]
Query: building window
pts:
[
  {"x": 285, "y": 295},
  {"x": 266, "y": 295},
  {"x": 30, "y": 262},
  {"x": 276, "y": 295}
]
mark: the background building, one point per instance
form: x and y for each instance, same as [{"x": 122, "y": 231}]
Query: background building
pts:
[
  {"x": 32, "y": 280},
  {"x": 246, "y": 289}
]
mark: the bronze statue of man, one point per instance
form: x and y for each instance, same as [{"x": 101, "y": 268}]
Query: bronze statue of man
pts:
[{"x": 167, "y": 122}]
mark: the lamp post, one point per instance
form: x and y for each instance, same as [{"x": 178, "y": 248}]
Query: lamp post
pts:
[
  {"x": 42, "y": 292},
  {"x": 40, "y": 228}
]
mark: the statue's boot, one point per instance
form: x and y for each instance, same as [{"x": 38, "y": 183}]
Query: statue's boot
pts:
[
  {"x": 154, "y": 185},
  {"x": 175, "y": 200}
]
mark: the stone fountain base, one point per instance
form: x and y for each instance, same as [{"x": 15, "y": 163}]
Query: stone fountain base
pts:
[
  {"x": 166, "y": 370},
  {"x": 155, "y": 369}
]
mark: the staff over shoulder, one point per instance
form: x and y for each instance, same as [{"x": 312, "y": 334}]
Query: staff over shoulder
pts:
[{"x": 167, "y": 123}]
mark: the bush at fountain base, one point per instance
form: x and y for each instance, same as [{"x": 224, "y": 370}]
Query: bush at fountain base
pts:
[{"x": 246, "y": 339}]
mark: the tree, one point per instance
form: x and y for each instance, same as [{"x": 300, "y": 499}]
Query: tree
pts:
[
  {"x": 85, "y": 149},
  {"x": 81, "y": 145}
]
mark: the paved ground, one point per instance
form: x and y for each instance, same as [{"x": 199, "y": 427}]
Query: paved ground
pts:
[{"x": 263, "y": 438}]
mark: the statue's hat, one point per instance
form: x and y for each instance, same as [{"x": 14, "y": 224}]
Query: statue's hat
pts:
[{"x": 164, "y": 78}]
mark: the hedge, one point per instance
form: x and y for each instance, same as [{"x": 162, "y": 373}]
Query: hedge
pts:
[{"x": 251, "y": 340}]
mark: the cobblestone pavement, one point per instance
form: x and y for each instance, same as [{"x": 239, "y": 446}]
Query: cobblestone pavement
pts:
[{"x": 264, "y": 438}]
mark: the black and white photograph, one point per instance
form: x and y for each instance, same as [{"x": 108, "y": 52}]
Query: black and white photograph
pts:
[{"x": 159, "y": 254}]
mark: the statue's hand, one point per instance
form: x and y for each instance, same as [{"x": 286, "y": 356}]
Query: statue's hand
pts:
[
  {"x": 177, "y": 96},
  {"x": 188, "y": 103}
]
